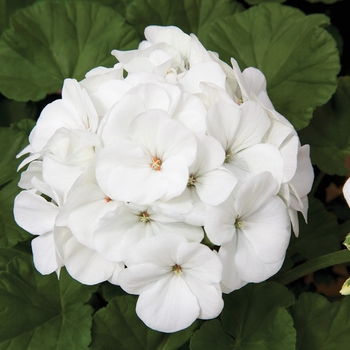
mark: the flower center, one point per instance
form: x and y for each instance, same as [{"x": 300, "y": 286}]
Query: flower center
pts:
[
  {"x": 156, "y": 163},
  {"x": 177, "y": 269},
  {"x": 228, "y": 157},
  {"x": 240, "y": 101},
  {"x": 144, "y": 217},
  {"x": 239, "y": 223},
  {"x": 108, "y": 199},
  {"x": 191, "y": 181}
]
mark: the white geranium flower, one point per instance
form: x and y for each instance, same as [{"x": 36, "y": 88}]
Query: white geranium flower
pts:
[
  {"x": 152, "y": 165},
  {"x": 176, "y": 56},
  {"x": 177, "y": 281},
  {"x": 118, "y": 234},
  {"x": 240, "y": 131},
  {"x": 253, "y": 229},
  {"x": 74, "y": 111},
  {"x": 178, "y": 105}
]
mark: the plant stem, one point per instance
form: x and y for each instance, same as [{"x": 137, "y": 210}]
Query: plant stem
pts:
[{"x": 313, "y": 265}]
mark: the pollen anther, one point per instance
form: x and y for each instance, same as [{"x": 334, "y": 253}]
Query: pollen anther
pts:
[
  {"x": 177, "y": 269},
  {"x": 144, "y": 217},
  {"x": 156, "y": 163}
]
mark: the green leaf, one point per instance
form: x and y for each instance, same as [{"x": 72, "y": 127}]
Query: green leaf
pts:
[
  {"x": 321, "y": 324},
  {"x": 11, "y": 143},
  {"x": 255, "y": 318},
  {"x": 328, "y": 133},
  {"x": 192, "y": 16},
  {"x": 119, "y": 6},
  {"x": 118, "y": 327},
  {"x": 8, "y": 7},
  {"x": 212, "y": 336},
  {"x": 8, "y": 254},
  {"x": 110, "y": 291},
  {"x": 317, "y": 237},
  {"x": 298, "y": 57},
  {"x": 10, "y": 232},
  {"x": 347, "y": 241},
  {"x": 257, "y": 2},
  {"x": 51, "y": 41},
  {"x": 25, "y": 125},
  {"x": 13, "y": 111},
  {"x": 40, "y": 312}
]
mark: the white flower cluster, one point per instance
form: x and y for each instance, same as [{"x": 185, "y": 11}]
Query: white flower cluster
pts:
[{"x": 126, "y": 174}]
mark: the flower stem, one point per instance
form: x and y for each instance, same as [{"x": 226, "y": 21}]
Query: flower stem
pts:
[{"x": 313, "y": 265}]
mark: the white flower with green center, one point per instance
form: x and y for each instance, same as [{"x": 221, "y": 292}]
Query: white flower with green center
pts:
[
  {"x": 240, "y": 131},
  {"x": 253, "y": 228},
  {"x": 177, "y": 281},
  {"x": 117, "y": 235}
]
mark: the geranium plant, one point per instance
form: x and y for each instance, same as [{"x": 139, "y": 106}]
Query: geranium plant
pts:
[{"x": 157, "y": 183}]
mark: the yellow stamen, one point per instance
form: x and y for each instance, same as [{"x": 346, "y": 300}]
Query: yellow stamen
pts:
[
  {"x": 144, "y": 217},
  {"x": 239, "y": 223},
  {"x": 191, "y": 181}
]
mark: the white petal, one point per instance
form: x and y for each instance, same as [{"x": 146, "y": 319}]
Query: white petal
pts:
[
  {"x": 220, "y": 222},
  {"x": 304, "y": 176},
  {"x": 268, "y": 230},
  {"x": 254, "y": 193},
  {"x": 253, "y": 125},
  {"x": 257, "y": 159},
  {"x": 46, "y": 259},
  {"x": 209, "y": 72},
  {"x": 168, "y": 305},
  {"x": 213, "y": 187},
  {"x": 83, "y": 264},
  {"x": 199, "y": 263},
  {"x": 138, "y": 278},
  {"x": 249, "y": 267},
  {"x": 222, "y": 122},
  {"x": 231, "y": 280},
  {"x": 33, "y": 213},
  {"x": 209, "y": 298}
]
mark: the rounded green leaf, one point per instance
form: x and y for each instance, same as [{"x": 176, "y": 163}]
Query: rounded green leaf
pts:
[
  {"x": 257, "y": 2},
  {"x": 192, "y": 16},
  {"x": 40, "y": 312},
  {"x": 8, "y": 7},
  {"x": 118, "y": 327},
  {"x": 298, "y": 57},
  {"x": 49, "y": 41},
  {"x": 329, "y": 132},
  {"x": 212, "y": 336},
  {"x": 12, "y": 141},
  {"x": 321, "y": 324},
  {"x": 254, "y": 317}
]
